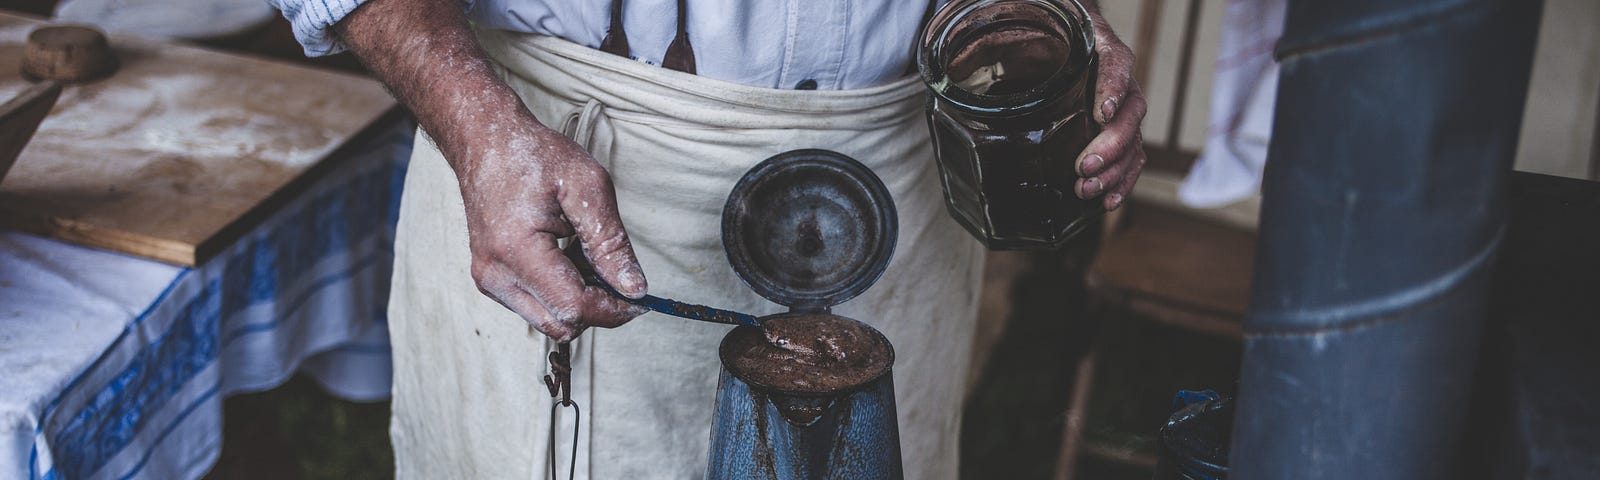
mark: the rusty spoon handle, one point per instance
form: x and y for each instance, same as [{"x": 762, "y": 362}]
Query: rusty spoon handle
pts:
[
  {"x": 658, "y": 304},
  {"x": 688, "y": 310}
]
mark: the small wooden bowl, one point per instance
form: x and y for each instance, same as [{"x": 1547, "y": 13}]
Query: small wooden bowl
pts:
[{"x": 68, "y": 54}]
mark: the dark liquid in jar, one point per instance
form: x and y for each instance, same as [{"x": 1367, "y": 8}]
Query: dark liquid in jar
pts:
[
  {"x": 1016, "y": 175},
  {"x": 1008, "y": 58}
]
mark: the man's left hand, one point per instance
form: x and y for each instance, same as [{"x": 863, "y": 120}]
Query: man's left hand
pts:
[{"x": 1112, "y": 162}]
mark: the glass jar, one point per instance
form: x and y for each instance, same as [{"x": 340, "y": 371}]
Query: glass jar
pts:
[{"x": 1012, "y": 83}]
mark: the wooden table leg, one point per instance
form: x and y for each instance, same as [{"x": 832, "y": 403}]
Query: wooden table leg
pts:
[{"x": 1072, "y": 432}]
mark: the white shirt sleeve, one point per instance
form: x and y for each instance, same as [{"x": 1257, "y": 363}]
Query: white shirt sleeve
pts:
[{"x": 311, "y": 20}]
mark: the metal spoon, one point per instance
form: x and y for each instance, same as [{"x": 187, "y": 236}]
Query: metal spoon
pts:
[{"x": 664, "y": 305}]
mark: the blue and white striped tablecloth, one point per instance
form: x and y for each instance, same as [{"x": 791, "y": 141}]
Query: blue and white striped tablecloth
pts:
[{"x": 114, "y": 367}]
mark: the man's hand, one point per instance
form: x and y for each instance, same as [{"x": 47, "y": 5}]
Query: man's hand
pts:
[
  {"x": 526, "y": 190},
  {"x": 1112, "y": 162},
  {"x": 523, "y": 185}
]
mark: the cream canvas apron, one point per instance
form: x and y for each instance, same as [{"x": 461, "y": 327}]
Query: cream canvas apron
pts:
[{"x": 468, "y": 397}]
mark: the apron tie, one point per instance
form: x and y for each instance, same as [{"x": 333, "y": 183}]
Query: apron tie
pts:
[{"x": 583, "y": 130}]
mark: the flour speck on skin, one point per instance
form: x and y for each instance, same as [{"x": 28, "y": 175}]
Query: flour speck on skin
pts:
[{"x": 513, "y": 174}]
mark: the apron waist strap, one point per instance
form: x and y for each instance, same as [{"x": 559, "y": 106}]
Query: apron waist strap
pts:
[{"x": 632, "y": 91}]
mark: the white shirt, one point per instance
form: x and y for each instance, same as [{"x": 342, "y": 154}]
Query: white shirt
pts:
[{"x": 838, "y": 44}]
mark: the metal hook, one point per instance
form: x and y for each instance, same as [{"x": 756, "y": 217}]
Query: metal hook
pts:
[{"x": 559, "y": 380}]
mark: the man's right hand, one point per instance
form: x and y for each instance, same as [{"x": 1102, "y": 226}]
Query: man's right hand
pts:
[
  {"x": 523, "y": 185},
  {"x": 527, "y": 188}
]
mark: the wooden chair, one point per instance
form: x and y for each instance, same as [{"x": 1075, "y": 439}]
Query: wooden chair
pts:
[
  {"x": 1165, "y": 267},
  {"x": 1161, "y": 264}
]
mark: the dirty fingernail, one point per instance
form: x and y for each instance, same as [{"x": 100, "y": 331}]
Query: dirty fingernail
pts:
[
  {"x": 1115, "y": 200},
  {"x": 1091, "y": 187},
  {"x": 561, "y": 332},
  {"x": 1092, "y": 163},
  {"x": 1108, "y": 109}
]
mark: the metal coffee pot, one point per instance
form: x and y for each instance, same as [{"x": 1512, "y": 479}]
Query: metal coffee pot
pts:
[{"x": 807, "y": 229}]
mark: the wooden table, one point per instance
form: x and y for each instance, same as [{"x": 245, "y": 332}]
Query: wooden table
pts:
[{"x": 178, "y": 152}]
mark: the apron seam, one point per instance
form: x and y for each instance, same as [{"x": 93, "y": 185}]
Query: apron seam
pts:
[
  {"x": 791, "y": 20},
  {"x": 844, "y": 42}
]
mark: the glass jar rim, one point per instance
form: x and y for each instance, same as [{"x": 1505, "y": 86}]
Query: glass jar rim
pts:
[{"x": 932, "y": 55}]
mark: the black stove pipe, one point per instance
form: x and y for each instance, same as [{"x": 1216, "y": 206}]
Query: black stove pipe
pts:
[{"x": 1384, "y": 204}]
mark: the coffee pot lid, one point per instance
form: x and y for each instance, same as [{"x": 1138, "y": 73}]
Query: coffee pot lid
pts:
[{"x": 809, "y": 229}]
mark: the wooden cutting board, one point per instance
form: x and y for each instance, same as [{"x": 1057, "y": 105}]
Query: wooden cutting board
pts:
[{"x": 181, "y": 150}]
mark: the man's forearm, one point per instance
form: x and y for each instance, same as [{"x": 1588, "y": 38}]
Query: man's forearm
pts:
[{"x": 425, "y": 52}]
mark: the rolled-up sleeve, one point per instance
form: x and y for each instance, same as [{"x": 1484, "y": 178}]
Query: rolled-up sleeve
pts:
[{"x": 311, "y": 20}]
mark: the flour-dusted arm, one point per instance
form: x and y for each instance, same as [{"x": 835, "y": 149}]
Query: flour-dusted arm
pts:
[{"x": 523, "y": 184}]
